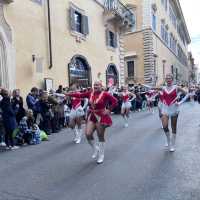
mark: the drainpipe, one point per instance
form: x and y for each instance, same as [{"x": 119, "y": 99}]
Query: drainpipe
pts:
[{"x": 49, "y": 30}]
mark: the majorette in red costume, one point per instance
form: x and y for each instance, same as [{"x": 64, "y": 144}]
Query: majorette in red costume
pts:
[
  {"x": 97, "y": 105},
  {"x": 169, "y": 100},
  {"x": 170, "y": 110},
  {"x": 100, "y": 105},
  {"x": 77, "y": 109},
  {"x": 75, "y": 116},
  {"x": 126, "y": 104},
  {"x": 150, "y": 95}
]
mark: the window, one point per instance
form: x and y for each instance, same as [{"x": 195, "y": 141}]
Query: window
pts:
[
  {"x": 154, "y": 21},
  {"x": 111, "y": 39},
  {"x": 130, "y": 68},
  {"x": 172, "y": 69},
  {"x": 166, "y": 5},
  {"x": 78, "y": 22},
  {"x": 166, "y": 37},
  {"x": 172, "y": 16},
  {"x": 176, "y": 74},
  {"x": 172, "y": 43},
  {"x": 79, "y": 71},
  {"x": 112, "y": 75},
  {"x": 37, "y": 1},
  {"x": 181, "y": 55},
  {"x": 164, "y": 33}
]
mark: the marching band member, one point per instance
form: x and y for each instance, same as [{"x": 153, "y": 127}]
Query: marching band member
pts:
[
  {"x": 76, "y": 115},
  {"x": 170, "y": 109},
  {"x": 126, "y": 104},
  {"x": 100, "y": 105}
]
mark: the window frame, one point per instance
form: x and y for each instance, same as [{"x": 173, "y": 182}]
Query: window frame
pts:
[
  {"x": 128, "y": 71},
  {"x": 79, "y": 16},
  {"x": 154, "y": 21},
  {"x": 84, "y": 28},
  {"x": 114, "y": 42}
]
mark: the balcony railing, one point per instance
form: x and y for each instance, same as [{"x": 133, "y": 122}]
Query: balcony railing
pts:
[
  {"x": 6, "y": 1},
  {"x": 121, "y": 11}
]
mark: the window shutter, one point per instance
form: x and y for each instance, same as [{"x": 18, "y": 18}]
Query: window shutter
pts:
[
  {"x": 107, "y": 38},
  {"x": 72, "y": 19},
  {"x": 85, "y": 25},
  {"x": 115, "y": 40}
]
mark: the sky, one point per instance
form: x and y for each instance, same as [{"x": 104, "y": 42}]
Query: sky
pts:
[{"x": 191, "y": 11}]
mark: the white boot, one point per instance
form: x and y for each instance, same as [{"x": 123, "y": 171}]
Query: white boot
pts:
[
  {"x": 101, "y": 153},
  {"x": 75, "y": 134},
  {"x": 167, "y": 144},
  {"x": 173, "y": 141},
  {"x": 95, "y": 148},
  {"x": 125, "y": 122},
  {"x": 79, "y": 136}
]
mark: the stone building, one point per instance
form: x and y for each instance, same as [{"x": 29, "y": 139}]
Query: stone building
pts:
[
  {"x": 158, "y": 44},
  {"x": 45, "y": 43}
]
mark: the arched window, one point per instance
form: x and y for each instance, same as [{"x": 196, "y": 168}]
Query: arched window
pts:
[
  {"x": 79, "y": 71},
  {"x": 112, "y": 75}
]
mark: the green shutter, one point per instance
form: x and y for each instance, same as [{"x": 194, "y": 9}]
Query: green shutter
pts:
[
  {"x": 85, "y": 25},
  {"x": 72, "y": 19}
]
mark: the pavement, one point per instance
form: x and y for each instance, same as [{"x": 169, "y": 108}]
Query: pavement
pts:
[{"x": 136, "y": 167}]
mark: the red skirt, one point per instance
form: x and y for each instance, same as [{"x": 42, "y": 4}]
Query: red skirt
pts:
[{"x": 102, "y": 119}]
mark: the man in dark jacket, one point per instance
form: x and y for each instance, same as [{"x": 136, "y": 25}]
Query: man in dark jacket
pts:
[
  {"x": 31, "y": 98},
  {"x": 17, "y": 105},
  {"x": 44, "y": 109},
  {"x": 9, "y": 119}
]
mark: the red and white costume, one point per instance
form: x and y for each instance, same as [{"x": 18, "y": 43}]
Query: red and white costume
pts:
[
  {"x": 77, "y": 109},
  {"x": 126, "y": 104},
  {"x": 170, "y": 98},
  {"x": 160, "y": 102},
  {"x": 98, "y": 102},
  {"x": 150, "y": 95}
]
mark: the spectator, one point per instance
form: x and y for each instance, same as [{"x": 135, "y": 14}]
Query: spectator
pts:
[
  {"x": 44, "y": 108},
  {"x": 60, "y": 89},
  {"x": 9, "y": 119},
  {"x": 17, "y": 105},
  {"x": 138, "y": 102},
  {"x": 32, "y": 99},
  {"x": 28, "y": 131},
  {"x": 55, "y": 109},
  {"x": 2, "y": 131}
]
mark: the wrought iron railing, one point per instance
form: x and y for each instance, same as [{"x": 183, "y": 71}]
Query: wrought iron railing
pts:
[
  {"x": 7, "y": 1},
  {"x": 119, "y": 9}
]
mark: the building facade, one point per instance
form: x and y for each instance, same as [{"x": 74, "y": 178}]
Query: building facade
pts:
[
  {"x": 159, "y": 44},
  {"x": 45, "y": 43},
  {"x": 193, "y": 69}
]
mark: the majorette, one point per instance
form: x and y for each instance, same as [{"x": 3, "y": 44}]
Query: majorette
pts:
[
  {"x": 170, "y": 109},
  {"x": 98, "y": 117},
  {"x": 126, "y": 104}
]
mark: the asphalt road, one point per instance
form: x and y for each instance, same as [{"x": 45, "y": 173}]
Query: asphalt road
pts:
[{"x": 136, "y": 167}]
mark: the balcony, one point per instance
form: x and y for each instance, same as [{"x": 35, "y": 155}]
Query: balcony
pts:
[
  {"x": 117, "y": 12},
  {"x": 7, "y": 1}
]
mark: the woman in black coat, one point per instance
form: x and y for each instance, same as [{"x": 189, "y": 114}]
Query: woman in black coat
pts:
[
  {"x": 9, "y": 119},
  {"x": 17, "y": 105}
]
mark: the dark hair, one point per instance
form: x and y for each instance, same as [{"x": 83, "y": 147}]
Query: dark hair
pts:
[
  {"x": 4, "y": 92},
  {"x": 34, "y": 89}
]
